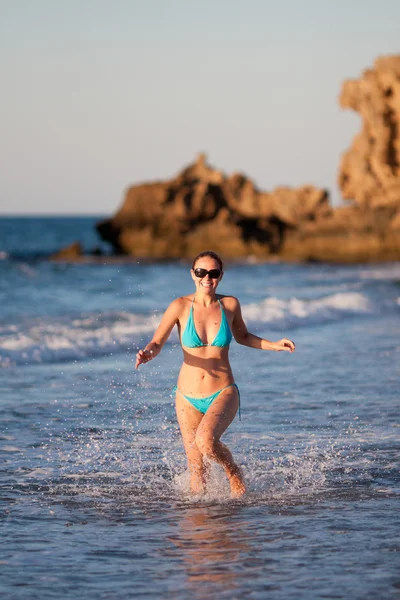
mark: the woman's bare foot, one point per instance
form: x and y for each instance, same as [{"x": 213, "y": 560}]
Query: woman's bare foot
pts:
[
  {"x": 238, "y": 486},
  {"x": 197, "y": 484},
  {"x": 197, "y": 487},
  {"x": 198, "y": 480}
]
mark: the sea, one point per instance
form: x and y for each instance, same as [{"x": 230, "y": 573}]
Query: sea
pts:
[{"x": 93, "y": 485}]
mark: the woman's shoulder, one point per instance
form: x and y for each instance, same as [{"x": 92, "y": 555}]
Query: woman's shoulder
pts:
[
  {"x": 181, "y": 303},
  {"x": 185, "y": 299},
  {"x": 229, "y": 302}
]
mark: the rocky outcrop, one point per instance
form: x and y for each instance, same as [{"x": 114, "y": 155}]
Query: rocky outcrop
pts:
[
  {"x": 369, "y": 172},
  {"x": 369, "y": 177},
  {"x": 352, "y": 234},
  {"x": 203, "y": 207}
]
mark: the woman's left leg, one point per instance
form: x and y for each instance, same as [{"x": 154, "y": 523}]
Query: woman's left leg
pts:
[{"x": 214, "y": 423}]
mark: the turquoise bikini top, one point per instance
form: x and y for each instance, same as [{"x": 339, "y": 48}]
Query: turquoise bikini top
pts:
[{"x": 190, "y": 337}]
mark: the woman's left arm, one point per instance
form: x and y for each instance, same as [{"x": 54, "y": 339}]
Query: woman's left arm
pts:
[{"x": 245, "y": 338}]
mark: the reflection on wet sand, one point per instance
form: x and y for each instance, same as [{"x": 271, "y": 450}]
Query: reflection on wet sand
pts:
[{"x": 211, "y": 545}]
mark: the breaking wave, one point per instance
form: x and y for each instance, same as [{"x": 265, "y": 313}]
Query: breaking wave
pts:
[
  {"x": 98, "y": 334},
  {"x": 295, "y": 312}
]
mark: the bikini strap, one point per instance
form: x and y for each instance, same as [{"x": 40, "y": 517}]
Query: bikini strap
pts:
[{"x": 222, "y": 307}]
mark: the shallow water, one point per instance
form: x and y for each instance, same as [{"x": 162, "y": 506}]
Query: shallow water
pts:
[{"x": 94, "y": 489}]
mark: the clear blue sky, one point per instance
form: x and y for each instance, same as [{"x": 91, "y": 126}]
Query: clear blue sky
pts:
[{"x": 99, "y": 94}]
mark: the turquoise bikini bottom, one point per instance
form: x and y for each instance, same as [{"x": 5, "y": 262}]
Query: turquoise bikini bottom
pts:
[{"x": 203, "y": 404}]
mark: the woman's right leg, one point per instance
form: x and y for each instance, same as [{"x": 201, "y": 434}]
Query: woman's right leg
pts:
[
  {"x": 215, "y": 422},
  {"x": 189, "y": 419}
]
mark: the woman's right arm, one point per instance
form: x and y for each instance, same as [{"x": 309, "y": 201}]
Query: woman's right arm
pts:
[{"x": 169, "y": 319}]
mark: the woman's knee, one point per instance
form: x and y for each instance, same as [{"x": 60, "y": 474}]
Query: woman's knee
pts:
[
  {"x": 206, "y": 444},
  {"x": 193, "y": 453}
]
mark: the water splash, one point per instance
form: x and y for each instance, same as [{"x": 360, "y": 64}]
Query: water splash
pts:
[{"x": 132, "y": 469}]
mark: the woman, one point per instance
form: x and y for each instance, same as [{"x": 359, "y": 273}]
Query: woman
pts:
[{"x": 207, "y": 396}]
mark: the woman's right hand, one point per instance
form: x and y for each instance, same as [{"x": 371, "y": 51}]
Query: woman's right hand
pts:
[{"x": 143, "y": 356}]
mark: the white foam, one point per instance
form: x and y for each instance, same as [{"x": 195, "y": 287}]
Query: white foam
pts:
[
  {"x": 382, "y": 273},
  {"x": 54, "y": 340},
  {"x": 39, "y": 473},
  {"x": 296, "y": 311}
]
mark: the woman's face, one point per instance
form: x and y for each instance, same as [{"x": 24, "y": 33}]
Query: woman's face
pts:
[{"x": 206, "y": 284}]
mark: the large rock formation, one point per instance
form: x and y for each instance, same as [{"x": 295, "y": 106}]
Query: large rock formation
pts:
[
  {"x": 352, "y": 234},
  {"x": 369, "y": 177},
  {"x": 370, "y": 171},
  {"x": 203, "y": 207}
]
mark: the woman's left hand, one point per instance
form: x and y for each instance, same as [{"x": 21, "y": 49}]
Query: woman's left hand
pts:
[{"x": 285, "y": 344}]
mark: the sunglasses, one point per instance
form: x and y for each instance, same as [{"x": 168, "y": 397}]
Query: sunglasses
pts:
[{"x": 213, "y": 273}]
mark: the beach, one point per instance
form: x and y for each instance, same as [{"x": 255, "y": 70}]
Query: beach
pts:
[{"x": 94, "y": 488}]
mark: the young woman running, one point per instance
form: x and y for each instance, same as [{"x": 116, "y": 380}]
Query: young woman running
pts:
[{"x": 207, "y": 397}]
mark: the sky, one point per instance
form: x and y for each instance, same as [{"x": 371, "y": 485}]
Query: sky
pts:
[{"x": 97, "y": 95}]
